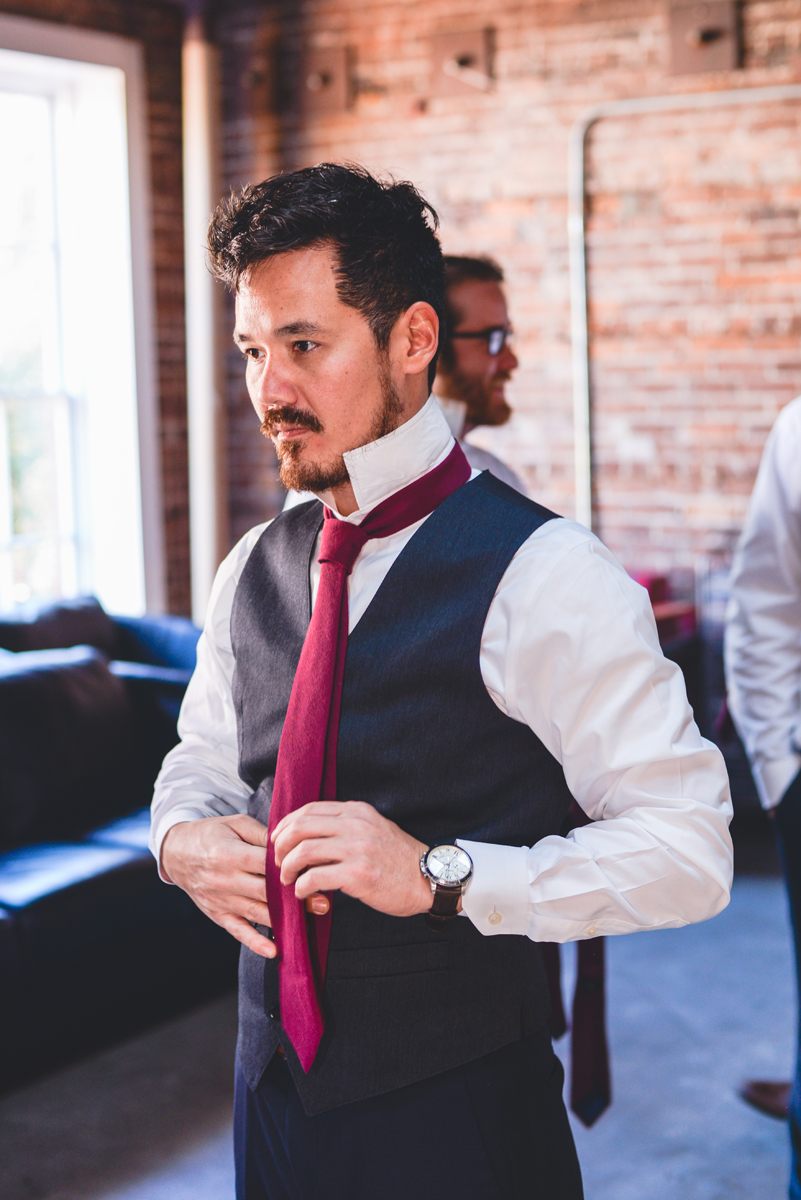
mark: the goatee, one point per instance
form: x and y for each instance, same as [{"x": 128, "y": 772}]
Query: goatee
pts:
[{"x": 300, "y": 476}]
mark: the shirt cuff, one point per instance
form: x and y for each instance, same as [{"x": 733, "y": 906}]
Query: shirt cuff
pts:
[
  {"x": 497, "y": 897},
  {"x": 773, "y": 778}
]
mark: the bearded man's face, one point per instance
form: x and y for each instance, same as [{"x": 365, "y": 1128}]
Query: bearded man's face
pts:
[
  {"x": 469, "y": 372},
  {"x": 315, "y": 375}
]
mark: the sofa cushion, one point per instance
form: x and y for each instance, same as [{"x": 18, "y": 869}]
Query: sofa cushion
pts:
[
  {"x": 74, "y": 902},
  {"x": 128, "y": 831},
  {"x": 67, "y": 746},
  {"x": 161, "y": 640},
  {"x": 32, "y": 873},
  {"x": 79, "y": 622}
]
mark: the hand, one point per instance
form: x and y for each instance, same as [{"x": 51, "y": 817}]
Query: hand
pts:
[
  {"x": 219, "y": 863},
  {"x": 329, "y": 846}
]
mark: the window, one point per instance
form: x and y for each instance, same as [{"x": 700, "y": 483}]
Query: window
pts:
[{"x": 79, "y": 495}]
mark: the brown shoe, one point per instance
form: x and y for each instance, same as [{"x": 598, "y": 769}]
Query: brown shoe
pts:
[{"x": 769, "y": 1096}]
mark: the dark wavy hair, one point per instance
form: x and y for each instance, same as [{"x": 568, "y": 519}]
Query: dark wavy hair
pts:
[{"x": 383, "y": 234}]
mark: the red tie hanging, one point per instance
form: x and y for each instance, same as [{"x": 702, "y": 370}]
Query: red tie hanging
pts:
[{"x": 306, "y": 766}]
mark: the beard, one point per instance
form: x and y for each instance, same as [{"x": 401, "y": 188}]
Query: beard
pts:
[
  {"x": 482, "y": 407},
  {"x": 300, "y": 476}
]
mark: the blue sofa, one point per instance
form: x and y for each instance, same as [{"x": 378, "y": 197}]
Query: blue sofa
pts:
[{"x": 93, "y": 946}]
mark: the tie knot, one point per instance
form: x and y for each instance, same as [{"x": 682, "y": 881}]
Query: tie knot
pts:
[{"x": 341, "y": 542}]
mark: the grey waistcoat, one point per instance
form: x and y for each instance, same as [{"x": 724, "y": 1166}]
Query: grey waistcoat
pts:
[{"x": 421, "y": 740}]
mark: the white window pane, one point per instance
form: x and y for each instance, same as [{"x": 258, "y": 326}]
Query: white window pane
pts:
[
  {"x": 70, "y": 502},
  {"x": 36, "y": 572},
  {"x": 39, "y": 462},
  {"x": 28, "y": 299}
]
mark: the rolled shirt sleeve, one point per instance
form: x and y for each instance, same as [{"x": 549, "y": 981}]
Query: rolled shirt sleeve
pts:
[{"x": 570, "y": 648}]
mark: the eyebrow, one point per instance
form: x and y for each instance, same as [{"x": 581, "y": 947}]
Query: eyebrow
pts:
[{"x": 295, "y": 329}]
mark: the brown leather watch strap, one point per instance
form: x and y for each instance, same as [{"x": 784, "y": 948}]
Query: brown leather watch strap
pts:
[{"x": 444, "y": 908}]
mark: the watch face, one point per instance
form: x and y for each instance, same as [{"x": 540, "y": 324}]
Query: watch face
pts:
[{"x": 449, "y": 865}]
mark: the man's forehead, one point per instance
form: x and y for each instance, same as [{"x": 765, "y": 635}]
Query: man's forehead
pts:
[
  {"x": 478, "y": 299},
  {"x": 293, "y": 288}
]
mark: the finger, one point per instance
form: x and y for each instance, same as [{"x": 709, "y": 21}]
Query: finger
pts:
[
  {"x": 250, "y": 887},
  {"x": 332, "y": 877},
  {"x": 218, "y": 905},
  {"x": 323, "y": 808},
  {"x": 249, "y": 858},
  {"x": 228, "y": 852},
  {"x": 248, "y": 936},
  {"x": 318, "y": 904},
  {"x": 312, "y": 853},
  {"x": 308, "y": 827},
  {"x": 249, "y": 830},
  {"x": 254, "y": 911}
]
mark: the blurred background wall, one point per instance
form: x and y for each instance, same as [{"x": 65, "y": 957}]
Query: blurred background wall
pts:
[{"x": 694, "y": 237}]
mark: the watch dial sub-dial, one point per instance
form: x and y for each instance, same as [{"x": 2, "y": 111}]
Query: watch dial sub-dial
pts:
[{"x": 449, "y": 864}]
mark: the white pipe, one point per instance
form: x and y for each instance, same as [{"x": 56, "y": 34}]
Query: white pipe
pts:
[
  {"x": 207, "y": 492},
  {"x": 578, "y": 257}
]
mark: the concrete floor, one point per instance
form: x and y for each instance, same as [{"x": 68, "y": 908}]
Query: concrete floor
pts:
[{"x": 691, "y": 1013}]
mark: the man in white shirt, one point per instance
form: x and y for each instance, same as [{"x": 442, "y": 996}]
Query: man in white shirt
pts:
[
  {"x": 476, "y": 359},
  {"x": 499, "y": 662},
  {"x": 763, "y": 673}
]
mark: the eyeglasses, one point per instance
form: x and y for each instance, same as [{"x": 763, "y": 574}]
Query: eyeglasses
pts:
[{"x": 496, "y": 338}]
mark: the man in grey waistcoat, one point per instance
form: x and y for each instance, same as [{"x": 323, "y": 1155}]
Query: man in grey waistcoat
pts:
[{"x": 401, "y": 686}]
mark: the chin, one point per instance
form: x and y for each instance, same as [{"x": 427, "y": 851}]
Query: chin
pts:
[
  {"x": 494, "y": 416},
  {"x": 297, "y": 475}
]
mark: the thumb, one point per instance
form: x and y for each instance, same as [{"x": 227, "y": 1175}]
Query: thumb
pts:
[{"x": 249, "y": 830}]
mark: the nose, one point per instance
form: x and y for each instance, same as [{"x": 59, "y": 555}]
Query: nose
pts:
[
  {"x": 268, "y": 388},
  {"x": 507, "y": 359}
]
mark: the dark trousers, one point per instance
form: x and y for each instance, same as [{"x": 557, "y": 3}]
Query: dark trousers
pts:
[
  {"x": 493, "y": 1129},
  {"x": 788, "y": 827}
]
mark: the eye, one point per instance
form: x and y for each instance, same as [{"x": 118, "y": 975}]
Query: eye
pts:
[
  {"x": 252, "y": 353},
  {"x": 303, "y": 346}
]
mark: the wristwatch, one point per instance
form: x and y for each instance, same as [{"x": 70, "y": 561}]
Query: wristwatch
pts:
[{"x": 447, "y": 869}]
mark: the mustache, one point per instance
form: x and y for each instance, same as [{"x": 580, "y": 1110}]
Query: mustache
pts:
[{"x": 289, "y": 416}]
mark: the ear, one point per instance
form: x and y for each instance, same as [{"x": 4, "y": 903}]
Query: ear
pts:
[{"x": 415, "y": 338}]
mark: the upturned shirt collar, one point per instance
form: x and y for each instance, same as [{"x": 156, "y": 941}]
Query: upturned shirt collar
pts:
[
  {"x": 455, "y": 413},
  {"x": 383, "y": 467}
]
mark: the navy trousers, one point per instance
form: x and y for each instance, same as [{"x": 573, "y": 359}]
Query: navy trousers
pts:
[
  {"x": 788, "y": 827},
  {"x": 492, "y": 1129}
]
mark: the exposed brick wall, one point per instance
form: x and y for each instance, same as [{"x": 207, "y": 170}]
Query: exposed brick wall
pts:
[
  {"x": 694, "y": 234},
  {"x": 158, "y": 26},
  {"x": 695, "y": 266}
]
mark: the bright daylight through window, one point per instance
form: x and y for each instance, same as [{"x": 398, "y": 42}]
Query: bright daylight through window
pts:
[{"x": 70, "y": 495}]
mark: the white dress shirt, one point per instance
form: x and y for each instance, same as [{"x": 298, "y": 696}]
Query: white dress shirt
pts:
[
  {"x": 763, "y": 621},
  {"x": 570, "y": 649},
  {"x": 455, "y": 412}
]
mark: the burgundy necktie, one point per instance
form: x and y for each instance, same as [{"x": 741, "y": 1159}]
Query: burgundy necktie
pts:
[{"x": 307, "y": 754}]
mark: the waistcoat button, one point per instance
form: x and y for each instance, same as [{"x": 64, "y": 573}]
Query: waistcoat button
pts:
[{"x": 275, "y": 1013}]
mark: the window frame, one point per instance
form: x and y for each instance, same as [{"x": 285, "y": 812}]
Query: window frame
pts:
[{"x": 58, "y": 41}]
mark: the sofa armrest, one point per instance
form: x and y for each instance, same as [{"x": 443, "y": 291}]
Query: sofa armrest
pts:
[{"x": 145, "y": 673}]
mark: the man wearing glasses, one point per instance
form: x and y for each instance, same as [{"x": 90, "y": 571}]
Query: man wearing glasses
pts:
[{"x": 476, "y": 359}]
